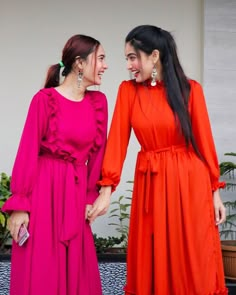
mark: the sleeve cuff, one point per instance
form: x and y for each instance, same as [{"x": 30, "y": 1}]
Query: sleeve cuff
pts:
[
  {"x": 107, "y": 182},
  {"x": 16, "y": 203},
  {"x": 218, "y": 185}
]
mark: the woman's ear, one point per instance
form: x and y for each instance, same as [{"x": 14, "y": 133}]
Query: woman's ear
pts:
[
  {"x": 79, "y": 62},
  {"x": 155, "y": 56}
]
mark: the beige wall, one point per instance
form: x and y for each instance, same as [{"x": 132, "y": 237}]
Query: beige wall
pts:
[
  {"x": 34, "y": 32},
  {"x": 220, "y": 71},
  {"x": 220, "y": 75}
]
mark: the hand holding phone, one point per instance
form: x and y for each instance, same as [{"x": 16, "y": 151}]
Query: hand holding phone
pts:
[{"x": 23, "y": 235}]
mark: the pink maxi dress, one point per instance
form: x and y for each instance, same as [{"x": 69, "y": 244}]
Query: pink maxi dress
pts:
[{"x": 55, "y": 173}]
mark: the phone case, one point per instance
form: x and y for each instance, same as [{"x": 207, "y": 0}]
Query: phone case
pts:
[{"x": 22, "y": 235}]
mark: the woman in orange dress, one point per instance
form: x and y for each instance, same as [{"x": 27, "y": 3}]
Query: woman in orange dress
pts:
[{"x": 174, "y": 246}]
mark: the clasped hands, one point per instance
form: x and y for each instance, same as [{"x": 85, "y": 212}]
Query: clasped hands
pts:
[{"x": 100, "y": 206}]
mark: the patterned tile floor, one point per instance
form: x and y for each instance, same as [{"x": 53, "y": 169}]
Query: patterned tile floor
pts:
[{"x": 112, "y": 276}]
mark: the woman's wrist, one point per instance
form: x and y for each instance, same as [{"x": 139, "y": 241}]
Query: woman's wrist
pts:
[{"x": 106, "y": 190}]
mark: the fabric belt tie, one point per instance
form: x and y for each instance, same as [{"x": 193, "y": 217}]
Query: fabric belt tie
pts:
[
  {"x": 148, "y": 165},
  {"x": 70, "y": 226}
]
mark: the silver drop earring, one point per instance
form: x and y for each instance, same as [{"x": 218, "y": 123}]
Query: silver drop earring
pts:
[
  {"x": 154, "y": 75},
  {"x": 80, "y": 78}
]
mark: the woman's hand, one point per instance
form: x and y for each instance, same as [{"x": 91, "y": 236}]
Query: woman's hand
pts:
[
  {"x": 87, "y": 210},
  {"x": 16, "y": 219},
  {"x": 101, "y": 205},
  {"x": 220, "y": 211}
]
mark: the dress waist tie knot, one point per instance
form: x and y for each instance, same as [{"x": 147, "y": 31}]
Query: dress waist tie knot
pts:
[
  {"x": 70, "y": 226},
  {"x": 148, "y": 166}
]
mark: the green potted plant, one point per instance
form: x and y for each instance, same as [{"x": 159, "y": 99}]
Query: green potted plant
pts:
[
  {"x": 104, "y": 245},
  {"x": 111, "y": 250},
  {"x": 4, "y": 195},
  {"x": 228, "y": 229},
  {"x": 121, "y": 213}
]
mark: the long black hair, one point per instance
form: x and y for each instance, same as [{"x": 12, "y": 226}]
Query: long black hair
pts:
[{"x": 147, "y": 38}]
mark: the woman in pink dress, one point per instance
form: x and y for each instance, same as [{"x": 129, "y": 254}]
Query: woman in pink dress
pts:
[{"x": 54, "y": 178}]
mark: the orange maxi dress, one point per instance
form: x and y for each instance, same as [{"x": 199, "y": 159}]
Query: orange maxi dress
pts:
[{"x": 174, "y": 245}]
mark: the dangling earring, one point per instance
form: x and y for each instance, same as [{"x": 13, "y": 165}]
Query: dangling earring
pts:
[
  {"x": 80, "y": 78},
  {"x": 154, "y": 75}
]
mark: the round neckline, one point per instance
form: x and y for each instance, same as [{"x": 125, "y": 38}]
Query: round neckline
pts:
[
  {"x": 70, "y": 100},
  {"x": 158, "y": 83}
]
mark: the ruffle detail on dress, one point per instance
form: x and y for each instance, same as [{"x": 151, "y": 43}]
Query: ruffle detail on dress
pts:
[
  {"x": 53, "y": 117},
  {"x": 16, "y": 203},
  {"x": 218, "y": 185},
  {"x": 97, "y": 103},
  {"x": 53, "y": 144},
  {"x": 219, "y": 292}
]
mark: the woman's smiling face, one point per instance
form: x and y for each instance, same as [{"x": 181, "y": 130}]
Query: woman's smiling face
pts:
[
  {"x": 94, "y": 67},
  {"x": 139, "y": 64}
]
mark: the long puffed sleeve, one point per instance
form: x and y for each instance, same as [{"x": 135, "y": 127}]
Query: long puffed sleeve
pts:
[
  {"x": 203, "y": 133},
  {"x": 97, "y": 153},
  {"x": 118, "y": 138},
  {"x": 25, "y": 166}
]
